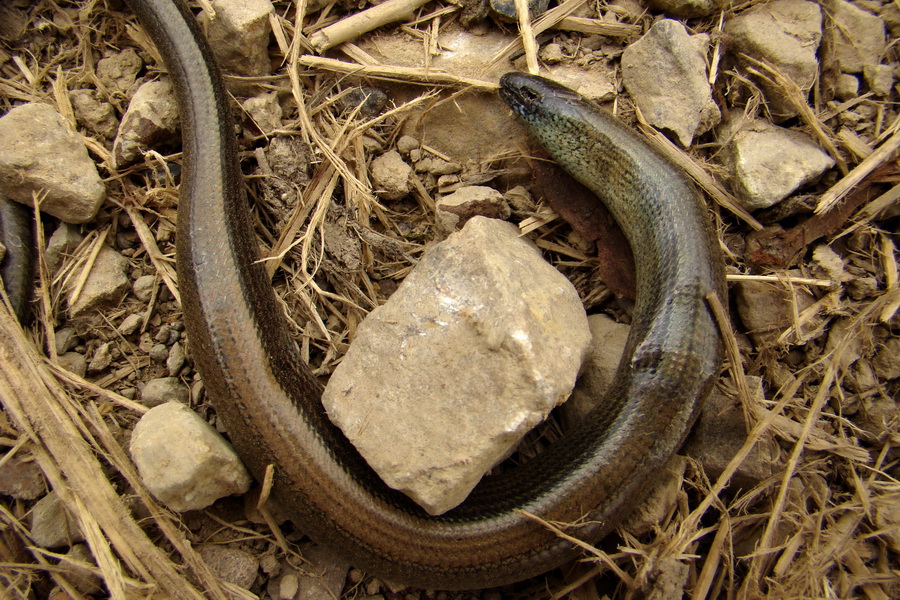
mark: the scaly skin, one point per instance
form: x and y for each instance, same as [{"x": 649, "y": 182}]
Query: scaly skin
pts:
[{"x": 270, "y": 403}]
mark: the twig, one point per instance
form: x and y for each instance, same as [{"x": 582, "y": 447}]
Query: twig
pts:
[
  {"x": 527, "y": 36},
  {"x": 881, "y": 155},
  {"x": 362, "y": 22}
]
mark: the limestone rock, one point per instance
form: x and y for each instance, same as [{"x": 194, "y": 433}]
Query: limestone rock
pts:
[
  {"x": 63, "y": 241},
  {"x": 857, "y": 36},
  {"x": 390, "y": 174},
  {"x": 51, "y": 524},
  {"x": 164, "y": 389},
  {"x": 183, "y": 461},
  {"x": 454, "y": 210},
  {"x": 151, "y": 119},
  {"x": 766, "y": 308},
  {"x": 608, "y": 339},
  {"x": 665, "y": 73},
  {"x": 118, "y": 72},
  {"x": 234, "y": 565},
  {"x": 40, "y": 155},
  {"x": 767, "y": 162},
  {"x": 239, "y": 35},
  {"x": 95, "y": 115},
  {"x": 106, "y": 283},
  {"x": 720, "y": 432},
  {"x": 476, "y": 346},
  {"x": 785, "y": 33}
]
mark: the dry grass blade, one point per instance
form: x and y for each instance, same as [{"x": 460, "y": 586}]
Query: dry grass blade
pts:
[
  {"x": 872, "y": 209},
  {"x": 362, "y": 22},
  {"x": 526, "y": 34},
  {"x": 837, "y": 192},
  {"x": 392, "y": 73},
  {"x": 547, "y": 21}
]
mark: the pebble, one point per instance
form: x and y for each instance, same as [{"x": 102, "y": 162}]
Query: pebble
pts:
[
  {"x": 454, "y": 210},
  {"x": 766, "y": 308},
  {"x": 239, "y": 36},
  {"x": 390, "y": 176},
  {"x": 152, "y": 119},
  {"x": 22, "y": 479},
  {"x": 62, "y": 242},
  {"x": 183, "y": 461},
  {"x": 858, "y": 36},
  {"x": 175, "y": 361},
  {"x": 130, "y": 324},
  {"x": 264, "y": 111},
  {"x": 164, "y": 389},
  {"x": 234, "y": 565},
  {"x": 105, "y": 285},
  {"x": 51, "y": 524}
]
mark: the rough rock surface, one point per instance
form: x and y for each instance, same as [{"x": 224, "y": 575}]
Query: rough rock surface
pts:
[
  {"x": 478, "y": 344},
  {"x": 769, "y": 163},
  {"x": 608, "y": 339},
  {"x": 234, "y": 565},
  {"x": 40, "y": 155},
  {"x": 688, "y": 9},
  {"x": 665, "y": 73},
  {"x": 183, "y": 460},
  {"x": 786, "y": 34},
  {"x": 454, "y": 210},
  {"x": 151, "y": 119},
  {"x": 51, "y": 524},
  {"x": 766, "y": 309},
  {"x": 390, "y": 176},
  {"x": 857, "y": 36},
  {"x": 105, "y": 284},
  {"x": 239, "y": 35}
]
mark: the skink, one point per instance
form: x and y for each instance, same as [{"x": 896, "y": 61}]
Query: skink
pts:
[{"x": 270, "y": 402}]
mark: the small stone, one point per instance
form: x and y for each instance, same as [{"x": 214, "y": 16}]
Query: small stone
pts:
[
  {"x": 66, "y": 339},
  {"x": 878, "y": 418},
  {"x": 407, "y": 144},
  {"x": 481, "y": 311},
  {"x": 846, "y": 87},
  {"x": 63, "y": 242},
  {"x": 159, "y": 353},
  {"x": 324, "y": 575},
  {"x": 594, "y": 84},
  {"x": 152, "y": 119},
  {"x": 118, "y": 72},
  {"x": 106, "y": 283},
  {"x": 175, "y": 360},
  {"x": 164, "y": 389},
  {"x": 390, "y": 174},
  {"x": 767, "y": 162},
  {"x": 239, "y": 36},
  {"x": 665, "y": 73},
  {"x": 608, "y": 339},
  {"x": 144, "y": 286},
  {"x": 51, "y": 524},
  {"x": 858, "y": 36},
  {"x": 507, "y": 8},
  {"x": 439, "y": 166},
  {"x": 234, "y": 565},
  {"x": 366, "y": 102},
  {"x": 130, "y": 324},
  {"x": 40, "y": 155},
  {"x": 766, "y": 309},
  {"x": 265, "y": 111},
  {"x": 828, "y": 262},
  {"x": 552, "y": 54},
  {"x": 74, "y": 362},
  {"x": 887, "y": 359},
  {"x": 22, "y": 479},
  {"x": 183, "y": 461},
  {"x": 94, "y": 115},
  {"x": 102, "y": 358},
  {"x": 879, "y": 78},
  {"x": 455, "y": 210},
  {"x": 720, "y": 433}
]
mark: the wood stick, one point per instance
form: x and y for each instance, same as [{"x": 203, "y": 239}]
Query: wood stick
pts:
[{"x": 362, "y": 22}]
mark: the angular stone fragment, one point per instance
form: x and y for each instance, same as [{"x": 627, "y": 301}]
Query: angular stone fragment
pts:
[
  {"x": 478, "y": 344},
  {"x": 183, "y": 461},
  {"x": 390, "y": 174},
  {"x": 151, "y": 119},
  {"x": 767, "y": 162},
  {"x": 105, "y": 284},
  {"x": 856, "y": 36},
  {"x": 239, "y": 35},
  {"x": 39, "y": 155},
  {"x": 767, "y": 309},
  {"x": 785, "y": 34},
  {"x": 454, "y": 210},
  {"x": 665, "y": 73}
]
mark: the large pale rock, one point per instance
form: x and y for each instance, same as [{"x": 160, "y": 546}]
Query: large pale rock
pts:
[
  {"x": 40, "y": 155},
  {"x": 767, "y": 162},
  {"x": 477, "y": 345},
  {"x": 786, "y": 34},
  {"x": 183, "y": 461},
  {"x": 665, "y": 73}
]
